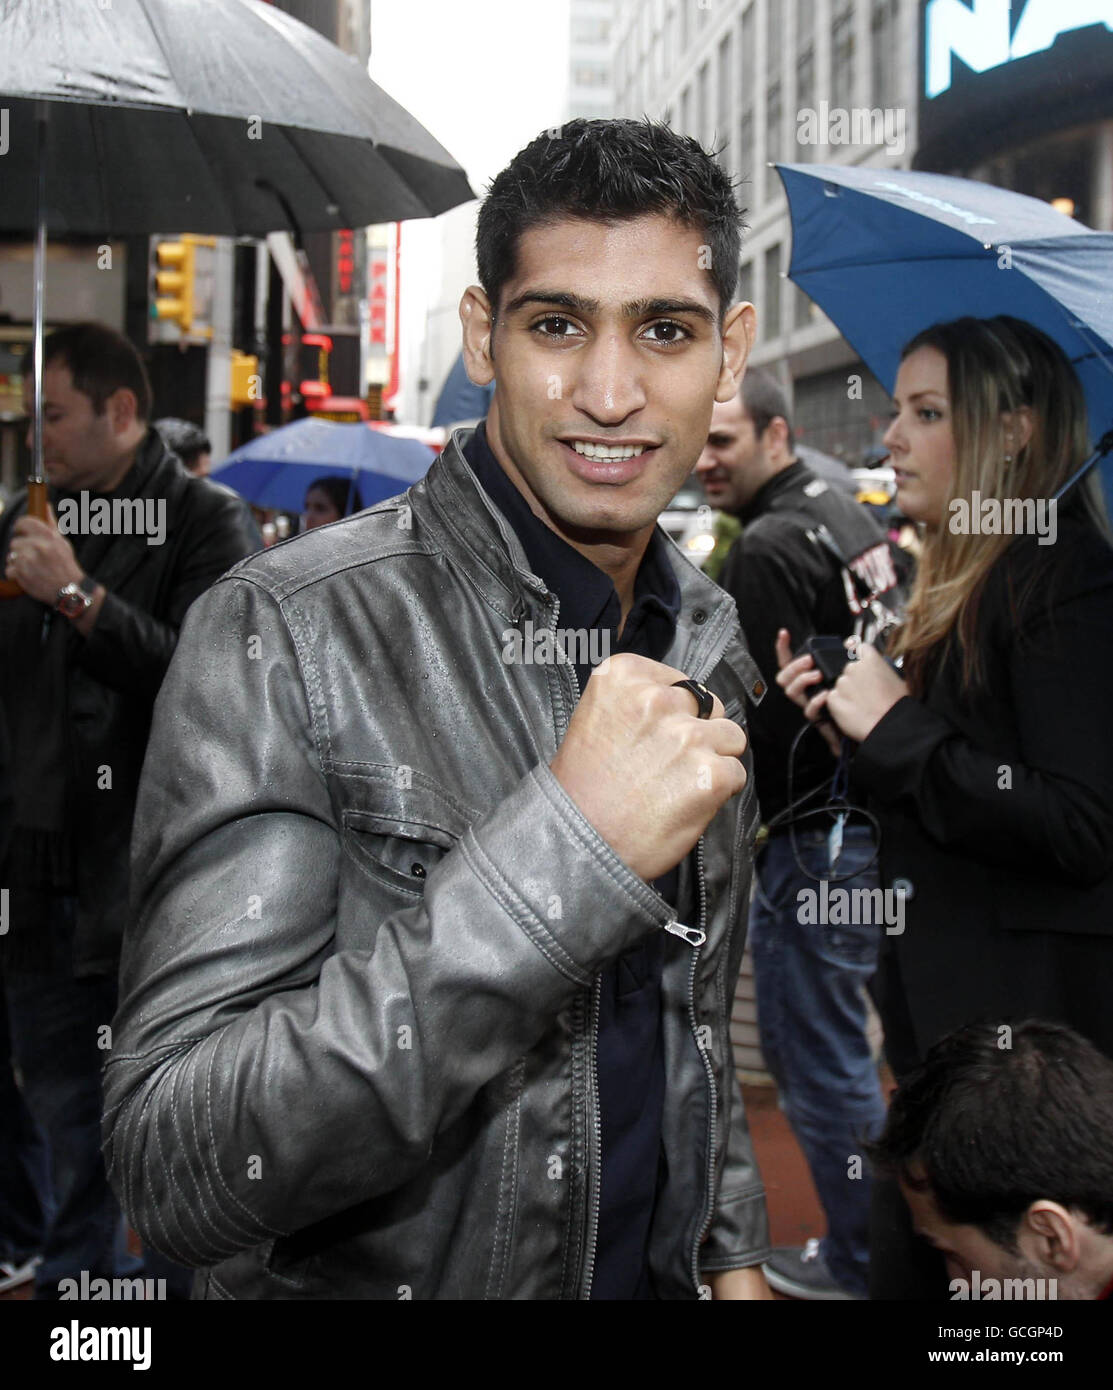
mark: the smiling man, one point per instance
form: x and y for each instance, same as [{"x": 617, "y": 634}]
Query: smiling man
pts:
[{"x": 431, "y": 972}]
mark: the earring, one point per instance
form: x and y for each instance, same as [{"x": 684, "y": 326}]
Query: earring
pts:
[{"x": 1008, "y": 458}]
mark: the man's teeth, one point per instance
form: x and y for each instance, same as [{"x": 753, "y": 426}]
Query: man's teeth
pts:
[{"x": 605, "y": 452}]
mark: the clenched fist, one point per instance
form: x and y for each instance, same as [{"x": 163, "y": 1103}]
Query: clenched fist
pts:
[{"x": 642, "y": 767}]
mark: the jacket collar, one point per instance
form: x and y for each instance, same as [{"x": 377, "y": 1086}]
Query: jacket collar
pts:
[
  {"x": 789, "y": 479},
  {"x": 497, "y": 565}
]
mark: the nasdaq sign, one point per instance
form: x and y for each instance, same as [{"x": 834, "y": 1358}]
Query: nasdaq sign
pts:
[{"x": 979, "y": 34}]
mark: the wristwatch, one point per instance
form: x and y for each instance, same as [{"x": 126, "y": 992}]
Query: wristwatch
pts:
[{"x": 75, "y": 599}]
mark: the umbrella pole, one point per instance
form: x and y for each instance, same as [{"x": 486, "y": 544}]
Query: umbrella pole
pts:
[
  {"x": 37, "y": 480},
  {"x": 36, "y": 483}
]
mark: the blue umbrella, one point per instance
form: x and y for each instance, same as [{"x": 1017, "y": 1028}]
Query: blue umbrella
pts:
[
  {"x": 460, "y": 398},
  {"x": 886, "y": 253},
  {"x": 276, "y": 469}
]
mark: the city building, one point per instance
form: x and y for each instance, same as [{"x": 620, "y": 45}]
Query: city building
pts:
[{"x": 1016, "y": 98}]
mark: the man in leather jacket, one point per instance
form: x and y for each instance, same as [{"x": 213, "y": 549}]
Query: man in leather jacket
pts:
[
  {"x": 418, "y": 890},
  {"x": 131, "y": 542}
]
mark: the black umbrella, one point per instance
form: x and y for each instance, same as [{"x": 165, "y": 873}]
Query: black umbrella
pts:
[{"x": 219, "y": 116}]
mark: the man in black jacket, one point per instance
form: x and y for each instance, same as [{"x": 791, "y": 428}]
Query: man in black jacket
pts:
[
  {"x": 132, "y": 541},
  {"x": 809, "y": 972}
]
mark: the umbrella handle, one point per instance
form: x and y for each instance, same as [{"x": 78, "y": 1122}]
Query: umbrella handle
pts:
[{"x": 36, "y": 507}]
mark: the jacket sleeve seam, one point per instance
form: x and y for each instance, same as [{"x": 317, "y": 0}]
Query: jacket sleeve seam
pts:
[{"x": 519, "y": 911}]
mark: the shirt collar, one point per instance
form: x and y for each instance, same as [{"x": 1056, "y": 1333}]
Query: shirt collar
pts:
[{"x": 588, "y": 598}]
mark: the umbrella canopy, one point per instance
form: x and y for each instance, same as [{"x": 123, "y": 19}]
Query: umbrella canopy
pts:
[
  {"x": 276, "y": 469},
  {"x": 887, "y": 253},
  {"x": 188, "y": 115}
]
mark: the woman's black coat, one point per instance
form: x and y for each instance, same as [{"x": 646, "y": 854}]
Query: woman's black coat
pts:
[{"x": 996, "y": 810}]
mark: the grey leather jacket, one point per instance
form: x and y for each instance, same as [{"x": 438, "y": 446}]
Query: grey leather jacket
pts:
[{"x": 354, "y": 1054}]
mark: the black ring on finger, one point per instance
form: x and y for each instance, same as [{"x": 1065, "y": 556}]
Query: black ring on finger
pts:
[{"x": 704, "y": 698}]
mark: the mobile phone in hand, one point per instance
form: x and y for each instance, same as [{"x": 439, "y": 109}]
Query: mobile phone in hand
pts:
[{"x": 829, "y": 655}]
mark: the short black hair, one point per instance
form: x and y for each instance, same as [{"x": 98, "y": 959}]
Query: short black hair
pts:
[
  {"x": 763, "y": 398},
  {"x": 101, "y": 361},
  {"x": 184, "y": 438},
  {"x": 607, "y": 171},
  {"x": 990, "y": 1128},
  {"x": 340, "y": 491}
]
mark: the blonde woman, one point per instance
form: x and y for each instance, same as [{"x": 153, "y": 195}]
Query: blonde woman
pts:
[{"x": 988, "y": 759}]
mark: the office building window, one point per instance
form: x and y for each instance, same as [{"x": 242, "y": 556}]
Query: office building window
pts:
[
  {"x": 802, "y": 311},
  {"x": 746, "y": 283},
  {"x": 805, "y": 22},
  {"x": 883, "y": 51},
  {"x": 590, "y": 75},
  {"x": 587, "y": 29},
  {"x": 772, "y": 325},
  {"x": 686, "y": 111},
  {"x": 746, "y": 152},
  {"x": 702, "y": 115},
  {"x": 725, "y": 58},
  {"x": 842, "y": 59},
  {"x": 774, "y": 138},
  {"x": 747, "y": 57},
  {"x": 805, "y": 101}
]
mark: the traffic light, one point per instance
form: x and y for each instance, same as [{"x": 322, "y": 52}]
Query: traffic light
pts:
[
  {"x": 184, "y": 284},
  {"x": 174, "y": 282},
  {"x": 246, "y": 382}
]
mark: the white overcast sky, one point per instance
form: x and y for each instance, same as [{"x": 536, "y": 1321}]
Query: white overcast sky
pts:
[{"x": 484, "y": 77}]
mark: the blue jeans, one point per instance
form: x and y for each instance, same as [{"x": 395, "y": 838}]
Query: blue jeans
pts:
[
  {"x": 810, "y": 982},
  {"x": 53, "y": 1022}
]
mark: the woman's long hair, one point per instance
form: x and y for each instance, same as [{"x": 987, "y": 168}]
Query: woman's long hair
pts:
[{"x": 993, "y": 365}]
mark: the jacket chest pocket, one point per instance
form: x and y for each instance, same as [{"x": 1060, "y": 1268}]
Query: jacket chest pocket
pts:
[{"x": 398, "y": 854}]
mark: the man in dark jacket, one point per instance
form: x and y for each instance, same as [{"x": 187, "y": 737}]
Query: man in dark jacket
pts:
[
  {"x": 131, "y": 542},
  {"x": 426, "y": 991},
  {"x": 809, "y": 972}
]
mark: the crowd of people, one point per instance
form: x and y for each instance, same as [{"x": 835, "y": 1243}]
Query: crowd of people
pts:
[{"x": 356, "y": 950}]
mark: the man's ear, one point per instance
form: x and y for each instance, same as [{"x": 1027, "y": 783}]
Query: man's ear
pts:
[
  {"x": 1048, "y": 1231},
  {"x": 475, "y": 316},
  {"x": 123, "y": 409},
  {"x": 776, "y": 435},
  {"x": 739, "y": 333}
]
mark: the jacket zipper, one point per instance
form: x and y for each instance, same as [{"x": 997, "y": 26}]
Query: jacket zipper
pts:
[
  {"x": 595, "y": 1145},
  {"x": 695, "y": 937},
  {"x": 712, "y": 1113}
]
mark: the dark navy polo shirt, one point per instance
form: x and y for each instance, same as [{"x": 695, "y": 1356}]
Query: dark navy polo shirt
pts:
[{"x": 630, "y": 1053}]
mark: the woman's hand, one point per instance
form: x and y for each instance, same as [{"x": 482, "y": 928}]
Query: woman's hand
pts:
[
  {"x": 797, "y": 677},
  {"x": 865, "y": 692}
]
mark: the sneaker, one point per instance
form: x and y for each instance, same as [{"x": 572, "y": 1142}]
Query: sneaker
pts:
[
  {"x": 803, "y": 1273},
  {"x": 11, "y": 1275}
]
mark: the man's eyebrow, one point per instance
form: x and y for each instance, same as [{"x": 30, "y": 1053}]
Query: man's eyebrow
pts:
[{"x": 635, "y": 309}]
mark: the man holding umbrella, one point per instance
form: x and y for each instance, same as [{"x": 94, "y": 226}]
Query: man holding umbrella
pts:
[
  {"x": 427, "y": 991},
  {"x": 82, "y": 655}
]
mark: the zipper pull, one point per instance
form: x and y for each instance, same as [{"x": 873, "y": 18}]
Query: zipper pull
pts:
[{"x": 692, "y": 935}]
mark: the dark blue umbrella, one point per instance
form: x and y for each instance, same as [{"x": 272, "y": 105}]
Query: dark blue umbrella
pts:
[
  {"x": 460, "y": 398},
  {"x": 886, "y": 253},
  {"x": 276, "y": 469}
]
